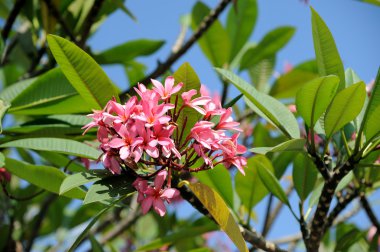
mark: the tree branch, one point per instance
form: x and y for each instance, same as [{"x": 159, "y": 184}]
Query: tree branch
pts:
[
  {"x": 173, "y": 57},
  {"x": 371, "y": 215},
  {"x": 11, "y": 19},
  {"x": 90, "y": 19}
]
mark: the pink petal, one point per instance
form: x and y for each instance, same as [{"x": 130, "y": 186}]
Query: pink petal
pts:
[
  {"x": 116, "y": 143},
  {"x": 159, "y": 180},
  {"x": 146, "y": 204},
  {"x": 170, "y": 193},
  {"x": 152, "y": 151},
  {"x": 159, "y": 207},
  {"x": 177, "y": 88},
  {"x": 169, "y": 83},
  {"x": 125, "y": 152},
  {"x": 159, "y": 87}
]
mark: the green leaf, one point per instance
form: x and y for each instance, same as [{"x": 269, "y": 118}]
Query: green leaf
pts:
[
  {"x": 304, "y": 175},
  {"x": 349, "y": 239},
  {"x": 181, "y": 234},
  {"x": 266, "y": 106},
  {"x": 2, "y": 159},
  {"x": 86, "y": 76},
  {"x": 46, "y": 177},
  {"x": 250, "y": 188},
  {"x": 215, "y": 42},
  {"x": 50, "y": 86},
  {"x": 218, "y": 179},
  {"x": 4, "y": 106},
  {"x": 261, "y": 73},
  {"x": 267, "y": 47},
  {"x": 92, "y": 223},
  {"x": 370, "y": 122},
  {"x": 135, "y": 72},
  {"x": 313, "y": 98},
  {"x": 11, "y": 92},
  {"x": 233, "y": 101},
  {"x": 120, "y": 4},
  {"x": 190, "y": 80},
  {"x": 346, "y": 105},
  {"x": 64, "y": 146},
  {"x": 95, "y": 245},
  {"x": 351, "y": 77},
  {"x": 218, "y": 209},
  {"x": 128, "y": 51},
  {"x": 271, "y": 183},
  {"x": 109, "y": 188},
  {"x": 60, "y": 160},
  {"x": 290, "y": 145},
  {"x": 82, "y": 178},
  {"x": 240, "y": 23},
  {"x": 326, "y": 53}
]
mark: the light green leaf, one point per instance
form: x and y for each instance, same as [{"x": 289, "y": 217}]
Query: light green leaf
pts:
[
  {"x": 190, "y": 80},
  {"x": 128, "y": 51},
  {"x": 109, "y": 188},
  {"x": 346, "y": 105},
  {"x": 64, "y": 146},
  {"x": 240, "y": 23},
  {"x": 218, "y": 179},
  {"x": 215, "y": 42},
  {"x": 326, "y": 53},
  {"x": 351, "y": 77},
  {"x": 266, "y": 106},
  {"x": 50, "y": 86},
  {"x": 181, "y": 234},
  {"x": 371, "y": 118},
  {"x": 218, "y": 209},
  {"x": 2, "y": 160},
  {"x": 46, "y": 177},
  {"x": 271, "y": 183},
  {"x": 345, "y": 181},
  {"x": 86, "y": 76},
  {"x": 313, "y": 98},
  {"x": 304, "y": 175},
  {"x": 250, "y": 188},
  {"x": 261, "y": 73},
  {"x": 290, "y": 145},
  {"x": 11, "y": 92},
  {"x": 267, "y": 47},
  {"x": 82, "y": 178}
]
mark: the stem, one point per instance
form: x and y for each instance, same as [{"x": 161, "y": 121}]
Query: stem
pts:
[{"x": 11, "y": 19}]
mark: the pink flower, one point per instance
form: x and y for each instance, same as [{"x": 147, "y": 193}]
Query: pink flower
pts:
[
  {"x": 123, "y": 111},
  {"x": 156, "y": 196},
  {"x": 204, "y": 135},
  {"x": 292, "y": 108},
  {"x": 226, "y": 122},
  {"x": 86, "y": 162},
  {"x": 5, "y": 176},
  {"x": 141, "y": 185},
  {"x": 148, "y": 144},
  {"x": 231, "y": 149},
  {"x": 110, "y": 162},
  {"x": 195, "y": 103},
  {"x": 97, "y": 120},
  {"x": 154, "y": 113},
  {"x": 168, "y": 90},
  {"x": 127, "y": 141}
]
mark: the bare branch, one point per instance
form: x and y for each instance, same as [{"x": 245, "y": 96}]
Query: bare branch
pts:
[
  {"x": 90, "y": 19},
  {"x": 11, "y": 19}
]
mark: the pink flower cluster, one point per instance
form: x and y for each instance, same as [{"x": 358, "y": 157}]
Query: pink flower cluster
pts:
[{"x": 145, "y": 132}]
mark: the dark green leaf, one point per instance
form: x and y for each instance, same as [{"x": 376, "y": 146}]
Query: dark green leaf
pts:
[
  {"x": 128, "y": 51},
  {"x": 82, "y": 178},
  {"x": 95, "y": 246},
  {"x": 233, "y": 101},
  {"x": 313, "y": 98},
  {"x": 370, "y": 122},
  {"x": 250, "y": 188},
  {"x": 190, "y": 80},
  {"x": 86, "y": 76},
  {"x": 326, "y": 53},
  {"x": 266, "y": 106},
  {"x": 240, "y": 23},
  {"x": 215, "y": 42},
  {"x": 346, "y": 105},
  {"x": 64, "y": 146},
  {"x": 349, "y": 239},
  {"x": 271, "y": 183},
  {"x": 46, "y": 177},
  {"x": 109, "y": 188},
  {"x": 267, "y": 47},
  {"x": 304, "y": 175}
]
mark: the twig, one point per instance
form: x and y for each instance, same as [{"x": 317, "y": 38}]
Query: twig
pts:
[
  {"x": 265, "y": 230},
  {"x": 288, "y": 239},
  {"x": 11, "y": 18},
  {"x": 38, "y": 221},
  {"x": 371, "y": 215},
  {"x": 20, "y": 198},
  {"x": 173, "y": 57},
  {"x": 90, "y": 19},
  {"x": 57, "y": 15}
]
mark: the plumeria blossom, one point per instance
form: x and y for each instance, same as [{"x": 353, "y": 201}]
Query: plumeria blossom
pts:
[{"x": 149, "y": 137}]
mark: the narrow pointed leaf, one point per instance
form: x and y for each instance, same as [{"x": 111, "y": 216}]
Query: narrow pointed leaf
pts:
[
  {"x": 46, "y": 177},
  {"x": 304, "y": 175},
  {"x": 220, "y": 212},
  {"x": 64, "y": 146},
  {"x": 328, "y": 58},
  {"x": 313, "y": 98},
  {"x": 371, "y": 118},
  {"x": 86, "y": 76},
  {"x": 346, "y": 105},
  {"x": 290, "y": 145},
  {"x": 267, "y": 47},
  {"x": 266, "y": 106},
  {"x": 215, "y": 42},
  {"x": 250, "y": 188},
  {"x": 240, "y": 23},
  {"x": 271, "y": 183}
]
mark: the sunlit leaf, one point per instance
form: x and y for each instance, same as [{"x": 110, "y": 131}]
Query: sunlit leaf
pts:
[
  {"x": 82, "y": 178},
  {"x": 290, "y": 145},
  {"x": 371, "y": 118},
  {"x": 304, "y": 175}
]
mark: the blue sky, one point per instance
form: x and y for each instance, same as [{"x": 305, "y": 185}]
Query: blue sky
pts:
[{"x": 354, "y": 25}]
